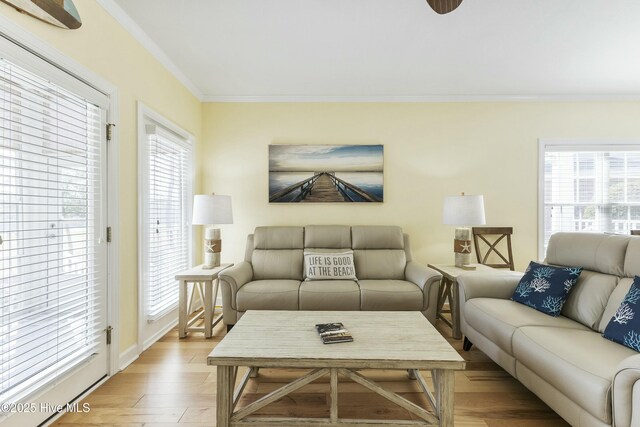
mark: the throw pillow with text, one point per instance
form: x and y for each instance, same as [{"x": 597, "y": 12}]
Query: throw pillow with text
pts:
[{"x": 329, "y": 266}]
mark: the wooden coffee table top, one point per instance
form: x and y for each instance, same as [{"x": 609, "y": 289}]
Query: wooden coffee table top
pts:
[{"x": 381, "y": 340}]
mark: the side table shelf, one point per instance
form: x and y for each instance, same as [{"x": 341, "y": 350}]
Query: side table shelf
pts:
[{"x": 205, "y": 284}]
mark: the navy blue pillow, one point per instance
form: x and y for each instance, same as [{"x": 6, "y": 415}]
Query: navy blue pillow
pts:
[
  {"x": 545, "y": 287},
  {"x": 624, "y": 326}
]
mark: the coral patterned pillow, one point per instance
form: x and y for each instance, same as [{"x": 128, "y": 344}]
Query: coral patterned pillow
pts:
[
  {"x": 624, "y": 326},
  {"x": 545, "y": 287}
]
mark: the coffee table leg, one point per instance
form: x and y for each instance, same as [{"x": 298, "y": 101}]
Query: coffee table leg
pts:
[
  {"x": 445, "y": 389},
  {"x": 333, "y": 413},
  {"x": 224, "y": 396}
]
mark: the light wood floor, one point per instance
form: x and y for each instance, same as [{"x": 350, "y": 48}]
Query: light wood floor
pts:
[{"x": 171, "y": 385}]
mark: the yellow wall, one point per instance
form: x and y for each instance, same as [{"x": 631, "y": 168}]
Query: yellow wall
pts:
[
  {"x": 105, "y": 48},
  {"x": 430, "y": 150}
]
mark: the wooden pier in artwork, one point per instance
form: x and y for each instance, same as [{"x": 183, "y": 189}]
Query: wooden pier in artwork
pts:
[{"x": 323, "y": 187}]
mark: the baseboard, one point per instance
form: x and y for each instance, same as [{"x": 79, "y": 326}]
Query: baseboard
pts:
[
  {"x": 128, "y": 356},
  {"x": 84, "y": 394},
  {"x": 155, "y": 337}
]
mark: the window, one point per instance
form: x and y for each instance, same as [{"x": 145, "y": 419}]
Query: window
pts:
[
  {"x": 589, "y": 187},
  {"x": 166, "y": 183},
  {"x": 52, "y": 254}
]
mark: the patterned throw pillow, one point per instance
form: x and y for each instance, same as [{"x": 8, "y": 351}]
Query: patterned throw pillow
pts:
[
  {"x": 329, "y": 266},
  {"x": 545, "y": 287},
  {"x": 624, "y": 326}
]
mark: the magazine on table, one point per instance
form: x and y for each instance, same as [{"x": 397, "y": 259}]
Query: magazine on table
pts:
[{"x": 332, "y": 333}]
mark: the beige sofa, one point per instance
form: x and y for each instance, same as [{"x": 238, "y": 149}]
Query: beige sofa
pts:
[
  {"x": 587, "y": 379},
  {"x": 271, "y": 276}
]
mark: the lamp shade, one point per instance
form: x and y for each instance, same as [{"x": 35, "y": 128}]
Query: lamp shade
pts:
[
  {"x": 211, "y": 209},
  {"x": 463, "y": 210}
]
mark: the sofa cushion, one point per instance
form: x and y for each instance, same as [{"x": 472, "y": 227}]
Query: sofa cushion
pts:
[
  {"x": 631, "y": 264},
  {"x": 329, "y": 265},
  {"x": 340, "y": 295},
  {"x": 277, "y": 264},
  {"x": 272, "y": 237},
  {"x": 624, "y": 326},
  {"x": 604, "y": 253},
  {"x": 588, "y": 298},
  {"x": 498, "y": 319},
  {"x": 268, "y": 295},
  {"x": 545, "y": 287},
  {"x": 615, "y": 299},
  {"x": 377, "y": 237},
  {"x": 580, "y": 364},
  {"x": 389, "y": 295},
  {"x": 380, "y": 263},
  {"x": 327, "y": 236}
]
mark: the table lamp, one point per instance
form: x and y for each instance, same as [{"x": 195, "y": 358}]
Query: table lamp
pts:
[
  {"x": 209, "y": 209},
  {"x": 463, "y": 211}
]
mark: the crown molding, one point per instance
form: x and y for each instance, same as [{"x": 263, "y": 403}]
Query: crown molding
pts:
[
  {"x": 143, "y": 38},
  {"x": 420, "y": 98}
]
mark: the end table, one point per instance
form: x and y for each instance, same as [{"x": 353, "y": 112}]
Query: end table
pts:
[
  {"x": 449, "y": 291},
  {"x": 202, "y": 281}
]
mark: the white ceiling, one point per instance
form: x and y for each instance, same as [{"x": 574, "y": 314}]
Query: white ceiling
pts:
[{"x": 269, "y": 50}]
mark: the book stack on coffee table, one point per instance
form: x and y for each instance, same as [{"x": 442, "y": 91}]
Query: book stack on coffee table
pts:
[{"x": 332, "y": 333}]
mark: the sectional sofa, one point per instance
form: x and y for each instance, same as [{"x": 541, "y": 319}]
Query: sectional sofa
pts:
[
  {"x": 585, "y": 378},
  {"x": 272, "y": 277}
]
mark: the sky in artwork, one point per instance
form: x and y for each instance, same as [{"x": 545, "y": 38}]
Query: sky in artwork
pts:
[{"x": 325, "y": 158}]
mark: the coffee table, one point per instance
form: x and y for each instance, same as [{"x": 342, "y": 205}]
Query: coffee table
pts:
[{"x": 288, "y": 339}]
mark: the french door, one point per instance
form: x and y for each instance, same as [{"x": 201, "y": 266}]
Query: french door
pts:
[{"x": 53, "y": 257}]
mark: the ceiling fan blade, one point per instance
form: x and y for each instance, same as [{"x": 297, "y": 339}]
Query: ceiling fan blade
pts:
[{"x": 444, "y": 6}]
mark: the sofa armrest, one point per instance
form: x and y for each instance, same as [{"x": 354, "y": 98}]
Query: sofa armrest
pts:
[
  {"x": 428, "y": 280},
  {"x": 625, "y": 391},
  {"x": 233, "y": 278},
  {"x": 421, "y": 275},
  {"x": 488, "y": 285}
]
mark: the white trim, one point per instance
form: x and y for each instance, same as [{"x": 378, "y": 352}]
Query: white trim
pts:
[
  {"x": 421, "y": 98},
  {"x": 143, "y": 38},
  {"x": 543, "y": 143},
  {"x": 144, "y": 112},
  {"x": 159, "y": 334},
  {"x": 77, "y": 399},
  {"x": 113, "y": 220},
  {"x": 142, "y": 171},
  {"x": 128, "y": 357}
]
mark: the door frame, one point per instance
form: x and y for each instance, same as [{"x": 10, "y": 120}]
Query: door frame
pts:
[{"x": 48, "y": 53}]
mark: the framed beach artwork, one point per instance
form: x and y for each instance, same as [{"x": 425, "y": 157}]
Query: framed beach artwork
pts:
[{"x": 326, "y": 173}]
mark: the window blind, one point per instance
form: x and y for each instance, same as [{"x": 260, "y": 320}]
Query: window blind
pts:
[
  {"x": 167, "y": 218},
  {"x": 52, "y": 262},
  {"x": 587, "y": 188}
]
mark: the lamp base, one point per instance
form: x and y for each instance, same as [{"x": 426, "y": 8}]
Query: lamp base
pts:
[
  {"x": 462, "y": 246},
  {"x": 211, "y": 261},
  {"x": 462, "y": 260},
  {"x": 212, "y": 248}
]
